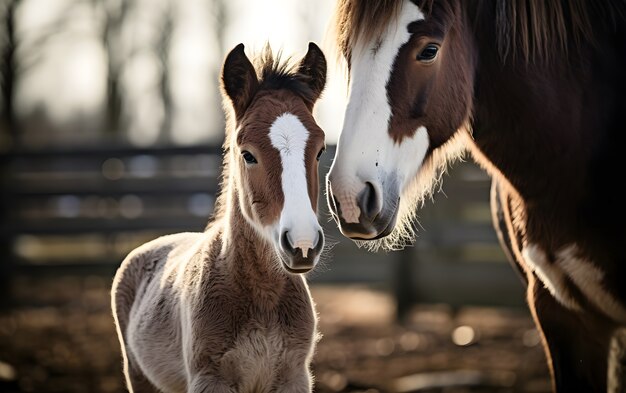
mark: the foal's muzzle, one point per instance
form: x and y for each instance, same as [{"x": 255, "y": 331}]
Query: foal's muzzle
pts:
[
  {"x": 297, "y": 257},
  {"x": 377, "y": 214}
]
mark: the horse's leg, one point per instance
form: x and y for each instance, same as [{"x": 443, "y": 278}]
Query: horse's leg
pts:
[
  {"x": 122, "y": 298},
  {"x": 501, "y": 220},
  {"x": 617, "y": 362},
  {"x": 303, "y": 385},
  {"x": 298, "y": 381},
  {"x": 136, "y": 380},
  {"x": 576, "y": 342},
  {"x": 208, "y": 384}
]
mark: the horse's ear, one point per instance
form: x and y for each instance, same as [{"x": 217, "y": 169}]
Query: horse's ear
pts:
[
  {"x": 239, "y": 80},
  {"x": 313, "y": 68}
]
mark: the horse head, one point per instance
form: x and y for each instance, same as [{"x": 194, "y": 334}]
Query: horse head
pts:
[
  {"x": 411, "y": 81},
  {"x": 275, "y": 150}
]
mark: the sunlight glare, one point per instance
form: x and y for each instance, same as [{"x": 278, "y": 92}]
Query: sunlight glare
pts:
[
  {"x": 289, "y": 26},
  {"x": 67, "y": 78},
  {"x": 196, "y": 111}
]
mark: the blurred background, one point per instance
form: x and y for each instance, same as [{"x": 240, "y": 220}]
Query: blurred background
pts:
[{"x": 110, "y": 133}]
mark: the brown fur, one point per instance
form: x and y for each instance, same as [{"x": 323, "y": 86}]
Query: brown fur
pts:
[
  {"x": 538, "y": 30},
  {"x": 542, "y": 84},
  {"x": 422, "y": 95},
  {"x": 265, "y": 187},
  {"x": 301, "y": 80},
  {"x": 532, "y": 29},
  {"x": 214, "y": 311}
]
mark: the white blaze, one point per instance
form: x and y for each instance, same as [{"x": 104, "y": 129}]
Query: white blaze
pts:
[{"x": 289, "y": 136}]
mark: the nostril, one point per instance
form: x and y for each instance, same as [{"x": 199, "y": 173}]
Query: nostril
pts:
[
  {"x": 302, "y": 248},
  {"x": 286, "y": 244},
  {"x": 368, "y": 202}
]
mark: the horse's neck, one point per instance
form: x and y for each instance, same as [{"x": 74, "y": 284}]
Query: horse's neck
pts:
[
  {"x": 249, "y": 258},
  {"x": 524, "y": 122},
  {"x": 553, "y": 131},
  {"x": 534, "y": 118}
]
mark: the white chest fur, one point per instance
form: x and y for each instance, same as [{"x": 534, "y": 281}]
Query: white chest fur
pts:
[
  {"x": 569, "y": 269},
  {"x": 260, "y": 358}
]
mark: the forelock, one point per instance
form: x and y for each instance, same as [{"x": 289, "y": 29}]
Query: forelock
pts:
[{"x": 276, "y": 73}]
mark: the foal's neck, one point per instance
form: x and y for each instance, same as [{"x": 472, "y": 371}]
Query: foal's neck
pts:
[
  {"x": 247, "y": 259},
  {"x": 250, "y": 263},
  {"x": 250, "y": 258}
]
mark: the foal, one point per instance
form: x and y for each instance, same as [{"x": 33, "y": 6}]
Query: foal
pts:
[{"x": 227, "y": 310}]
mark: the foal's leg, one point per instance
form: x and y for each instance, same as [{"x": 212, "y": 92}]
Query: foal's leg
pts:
[
  {"x": 136, "y": 380},
  {"x": 296, "y": 380},
  {"x": 122, "y": 298},
  {"x": 208, "y": 384},
  {"x": 299, "y": 384},
  {"x": 577, "y": 343}
]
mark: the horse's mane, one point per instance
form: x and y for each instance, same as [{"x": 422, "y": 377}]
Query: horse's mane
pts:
[
  {"x": 532, "y": 28},
  {"x": 274, "y": 73},
  {"x": 538, "y": 29},
  {"x": 361, "y": 19}
]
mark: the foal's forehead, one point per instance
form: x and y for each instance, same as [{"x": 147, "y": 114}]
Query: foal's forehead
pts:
[{"x": 269, "y": 109}]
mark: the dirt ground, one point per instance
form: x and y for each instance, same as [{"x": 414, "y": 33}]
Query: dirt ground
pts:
[{"x": 59, "y": 337}]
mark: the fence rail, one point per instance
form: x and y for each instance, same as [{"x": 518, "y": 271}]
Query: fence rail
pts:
[{"x": 81, "y": 210}]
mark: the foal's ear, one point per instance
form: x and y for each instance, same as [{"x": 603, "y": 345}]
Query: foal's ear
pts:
[
  {"x": 313, "y": 68},
  {"x": 239, "y": 79}
]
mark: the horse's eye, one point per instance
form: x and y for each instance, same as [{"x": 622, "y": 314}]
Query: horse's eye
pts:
[
  {"x": 429, "y": 53},
  {"x": 249, "y": 158},
  {"x": 319, "y": 154}
]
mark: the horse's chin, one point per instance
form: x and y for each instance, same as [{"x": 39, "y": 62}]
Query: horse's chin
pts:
[
  {"x": 296, "y": 271},
  {"x": 397, "y": 234},
  {"x": 381, "y": 227},
  {"x": 296, "y": 264}
]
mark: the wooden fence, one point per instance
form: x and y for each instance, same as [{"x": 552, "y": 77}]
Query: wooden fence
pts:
[{"x": 80, "y": 211}]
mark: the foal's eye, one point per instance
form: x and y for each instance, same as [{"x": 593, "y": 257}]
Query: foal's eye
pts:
[
  {"x": 320, "y": 153},
  {"x": 249, "y": 158},
  {"x": 429, "y": 53}
]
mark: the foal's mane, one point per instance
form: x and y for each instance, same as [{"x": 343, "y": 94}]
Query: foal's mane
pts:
[
  {"x": 278, "y": 73},
  {"x": 534, "y": 29},
  {"x": 274, "y": 73}
]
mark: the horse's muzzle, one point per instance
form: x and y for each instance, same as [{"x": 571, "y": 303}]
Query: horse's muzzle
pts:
[
  {"x": 377, "y": 217},
  {"x": 297, "y": 260}
]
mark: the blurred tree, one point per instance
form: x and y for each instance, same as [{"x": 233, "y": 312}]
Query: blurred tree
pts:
[
  {"x": 8, "y": 74},
  {"x": 115, "y": 14},
  {"x": 138, "y": 101},
  {"x": 8, "y": 125},
  {"x": 163, "y": 50},
  {"x": 193, "y": 60}
]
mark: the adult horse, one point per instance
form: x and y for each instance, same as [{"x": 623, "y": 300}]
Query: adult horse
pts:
[{"x": 536, "y": 91}]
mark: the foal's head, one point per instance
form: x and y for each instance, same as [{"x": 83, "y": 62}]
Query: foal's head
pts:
[
  {"x": 275, "y": 147},
  {"x": 411, "y": 81}
]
